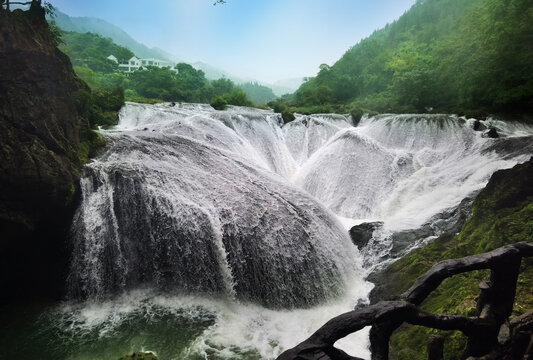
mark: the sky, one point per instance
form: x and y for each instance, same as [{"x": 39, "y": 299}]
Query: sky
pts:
[{"x": 267, "y": 40}]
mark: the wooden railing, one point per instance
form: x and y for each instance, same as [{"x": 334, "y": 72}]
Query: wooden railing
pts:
[{"x": 494, "y": 307}]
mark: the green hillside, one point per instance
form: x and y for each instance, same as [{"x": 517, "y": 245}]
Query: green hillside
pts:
[
  {"x": 91, "y": 51},
  {"x": 88, "y": 53},
  {"x": 258, "y": 93},
  {"x": 107, "y": 30},
  {"x": 460, "y": 56}
]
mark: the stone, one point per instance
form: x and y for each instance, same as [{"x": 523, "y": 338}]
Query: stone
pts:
[
  {"x": 362, "y": 233},
  {"x": 491, "y": 133},
  {"x": 478, "y": 126}
]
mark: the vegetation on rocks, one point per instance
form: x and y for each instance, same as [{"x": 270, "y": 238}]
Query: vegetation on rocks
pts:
[
  {"x": 98, "y": 108},
  {"x": 502, "y": 214}
]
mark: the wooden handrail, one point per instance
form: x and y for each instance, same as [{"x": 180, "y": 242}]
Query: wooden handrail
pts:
[{"x": 494, "y": 306}]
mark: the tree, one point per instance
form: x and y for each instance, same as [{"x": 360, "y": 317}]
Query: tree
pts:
[{"x": 222, "y": 86}]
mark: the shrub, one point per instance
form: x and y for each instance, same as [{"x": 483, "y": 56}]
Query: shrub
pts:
[
  {"x": 218, "y": 103},
  {"x": 237, "y": 97},
  {"x": 109, "y": 99}
]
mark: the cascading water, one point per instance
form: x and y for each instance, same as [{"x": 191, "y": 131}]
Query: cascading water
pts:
[
  {"x": 169, "y": 211},
  {"x": 225, "y": 228}
]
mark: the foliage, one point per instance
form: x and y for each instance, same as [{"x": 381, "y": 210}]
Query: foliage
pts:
[
  {"x": 96, "y": 108},
  {"x": 100, "y": 106},
  {"x": 468, "y": 56},
  {"x": 281, "y": 108},
  {"x": 218, "y": 103},
  {"x": 502, "y": 214},
  {"x": 222, "y": 86},
  {"x": 258, "y": 94},
  {"x": 163, "y": 84},
  {"x": 55, "y": 33},
  {"x": 237, "y": 97},
  {"x": 91, "y": 51},
  {"x": 109, "y": 99}
]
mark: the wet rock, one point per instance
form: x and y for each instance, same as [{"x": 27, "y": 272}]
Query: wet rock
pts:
[
  {"x": 491, "y": 133},
  {"x": 449, "y": 221},
  {"x": 404, "y": 239},
  {"x": 510, "y": 147},
  {"x": 362, "y": 233},
  {"x": 479, "y": 126}
]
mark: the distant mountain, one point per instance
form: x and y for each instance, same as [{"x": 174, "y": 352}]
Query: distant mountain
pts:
[
  {"x": 286, "y": 86},
  {"x": 214, "y": 73},
  {"x": 281, "y": 87},
  {"x": 105, "y": 29}
]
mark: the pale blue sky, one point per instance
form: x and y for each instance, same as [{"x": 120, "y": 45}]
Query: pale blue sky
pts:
[{"x": 263, "y": 39}]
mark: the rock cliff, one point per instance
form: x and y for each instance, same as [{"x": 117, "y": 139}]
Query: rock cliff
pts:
[{"x": 39, "y": 153}]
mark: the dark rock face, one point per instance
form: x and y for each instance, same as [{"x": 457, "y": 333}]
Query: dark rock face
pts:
[
  {"x": 39, "y": 143},
  {"x": 491, "y": 133},
  {"x": 478, "y": 126},
  {"x": 362, "y": 233}
]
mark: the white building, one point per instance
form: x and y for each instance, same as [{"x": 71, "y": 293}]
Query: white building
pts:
[
  {"x": 135, "y": 64},
  {"x": 112, "y": 58}
]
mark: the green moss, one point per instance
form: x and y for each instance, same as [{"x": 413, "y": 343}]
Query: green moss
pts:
[
  {"x": 140, "y": 356},
  {"x": 98, "y": 108},
  {"x": 88, "y": 148},
  {"x": 502, "y": 214}
]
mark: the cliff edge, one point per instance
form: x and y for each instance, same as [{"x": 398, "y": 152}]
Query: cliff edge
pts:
[{"x": 39, "y": 152}]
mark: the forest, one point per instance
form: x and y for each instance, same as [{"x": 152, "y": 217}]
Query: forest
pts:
[{"x": 441, "y": 56}]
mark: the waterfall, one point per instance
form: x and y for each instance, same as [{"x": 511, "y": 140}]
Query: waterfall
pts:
[
  {"x": 246, "y": 217},
  {"x": 192, "y": 201}
]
